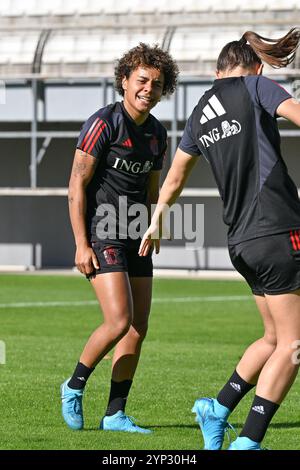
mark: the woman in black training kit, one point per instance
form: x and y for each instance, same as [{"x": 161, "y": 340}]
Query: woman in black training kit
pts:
[
  {"x": 117, "y": 165},
  {"x": 234, "y": 127}
]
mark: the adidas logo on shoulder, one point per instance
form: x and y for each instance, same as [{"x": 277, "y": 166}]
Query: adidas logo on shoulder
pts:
[
  {"x": 213, "y": 109},
  {"x": 259, "y": 409},
  {"x": 236, "y": 387}
]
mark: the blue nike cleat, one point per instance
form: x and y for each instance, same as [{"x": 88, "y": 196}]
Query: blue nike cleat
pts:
[
  {"x": 213, "y": 428},
  {"x": 72, "y": 406},
  {"x": 121, "y": 422},
  {"x": 244, "y": 443}
]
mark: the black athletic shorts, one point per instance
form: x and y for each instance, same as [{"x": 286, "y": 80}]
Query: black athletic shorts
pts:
[
  {"x": 122, "y": 257},
  {"x": 271, "y": 264}
]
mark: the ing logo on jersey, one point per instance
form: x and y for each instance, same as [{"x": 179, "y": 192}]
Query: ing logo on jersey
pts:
[
  {"x": 229, "y": 130},
  {"x": 215, "y": 135},
  {"x": 130, "y": 166}
]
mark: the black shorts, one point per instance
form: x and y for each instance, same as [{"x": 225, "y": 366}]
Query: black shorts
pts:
[
  {"x": 271, "y": 264},
  {"x": 122, "y": 257}
]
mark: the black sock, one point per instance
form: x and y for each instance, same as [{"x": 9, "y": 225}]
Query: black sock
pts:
[
  {"x": 259, "y": 418},
  {"x": 233, "y": 391},
  {"x": 80, "y": 376},
  {"x": 118, "y": 396}
]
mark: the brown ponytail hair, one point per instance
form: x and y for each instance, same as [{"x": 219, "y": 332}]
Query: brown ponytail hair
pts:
[{"x": 253, "y": 48}]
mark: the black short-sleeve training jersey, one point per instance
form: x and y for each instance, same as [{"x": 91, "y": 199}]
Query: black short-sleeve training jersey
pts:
[
  {"x": 234, "y": 126},
  {"x": 126, "y": 154}
]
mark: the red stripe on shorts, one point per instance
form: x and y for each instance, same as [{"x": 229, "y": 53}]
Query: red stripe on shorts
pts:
[{"x": 293, "y": 240}]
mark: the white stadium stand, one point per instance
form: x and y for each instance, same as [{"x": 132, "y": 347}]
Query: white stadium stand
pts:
[
  {"x": 227, "y": 5},
  {"x": 194, "y": 31},
  {"x": 20, "y": 256},
  {"x": 92, "y": 47},
  {"x": 38, "y": 8},
  {"x": 18, "y": 48},
  {"x": 193, "y": 259}
]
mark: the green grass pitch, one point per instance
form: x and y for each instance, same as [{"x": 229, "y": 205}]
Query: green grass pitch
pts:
[{"x": 191, "y": 349}]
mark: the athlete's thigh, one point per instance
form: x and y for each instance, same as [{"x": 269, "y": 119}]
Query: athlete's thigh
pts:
[
  {"x": 141, "y": 288},
  {"x": 285, "y": 310},
  {"x": 266, "y": 315},
  {"x": 113, "y": 292}
]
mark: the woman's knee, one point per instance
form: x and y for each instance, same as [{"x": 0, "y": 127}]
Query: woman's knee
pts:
[
  {"x": 270, "y": 338},
  {"x": 139, "y": 330},
  {"x": 288, "y": 356},
  {"x": 120, "y": 324}
]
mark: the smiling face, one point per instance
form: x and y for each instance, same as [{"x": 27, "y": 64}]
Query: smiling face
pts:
[{"x": 142, "y": 91}]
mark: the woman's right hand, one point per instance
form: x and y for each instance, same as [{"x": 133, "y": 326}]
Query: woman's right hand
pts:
[{"x": 86, "y": 260}]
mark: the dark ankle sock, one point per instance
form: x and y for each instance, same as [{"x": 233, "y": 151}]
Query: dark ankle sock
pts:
[
  {"x": 118, "y": 396},
  {"x": 80, "y": 376},
  {"x": 259, "y": 418},
  {"x": 233, "y": 391}
]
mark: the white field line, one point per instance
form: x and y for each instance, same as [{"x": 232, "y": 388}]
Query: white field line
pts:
[{"x": 82, "y": 303}]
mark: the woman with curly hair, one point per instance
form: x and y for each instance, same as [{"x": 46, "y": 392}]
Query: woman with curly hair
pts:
[{"x": 116, "y": 166}]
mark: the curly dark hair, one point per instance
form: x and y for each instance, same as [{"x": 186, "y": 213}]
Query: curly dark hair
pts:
[{"x": 147, "y": 56}]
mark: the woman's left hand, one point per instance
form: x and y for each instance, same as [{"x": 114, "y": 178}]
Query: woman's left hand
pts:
[{"x": 150, "y": 237}]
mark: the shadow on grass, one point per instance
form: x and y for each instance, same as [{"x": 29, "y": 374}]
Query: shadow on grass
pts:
[
  {"x": 153, "y": 427},
  {"x": 287, "y": 425}
]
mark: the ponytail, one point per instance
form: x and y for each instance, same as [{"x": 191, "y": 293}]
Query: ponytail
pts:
[
  {"x": 275, "y": 52},
  {"x": 253, "y": 48}
]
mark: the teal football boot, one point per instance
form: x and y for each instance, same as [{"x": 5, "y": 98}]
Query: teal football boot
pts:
[
  {"x": 244, "y": 443},
  {"x": 121, "y": 422},
  {"x": 212, "y": 426},
  {"x": 72, "y": 406}
]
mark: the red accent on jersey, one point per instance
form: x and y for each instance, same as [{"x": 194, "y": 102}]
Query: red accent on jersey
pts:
[
  {"x": 127, "y": 143},
  {"x": 91, "y": 135},
  {"x": 293, "y": 240},
  {"x": 97, "y": 136},
  {"x": 297, "y": 239},
  {"x": 87, "y": 135}
]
